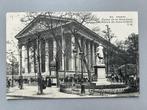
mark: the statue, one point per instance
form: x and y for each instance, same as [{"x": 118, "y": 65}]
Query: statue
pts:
[
  {"x": 99, "y": 68},
  {"x": 99, "y": 55}
]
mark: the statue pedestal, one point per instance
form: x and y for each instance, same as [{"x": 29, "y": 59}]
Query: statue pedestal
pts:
[{"x": 100, "y": 73}]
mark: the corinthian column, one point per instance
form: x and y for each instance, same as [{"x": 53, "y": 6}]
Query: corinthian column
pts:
[
  {"x": 54, "y": 49},
  {"x": 34, "y": 56},
  {"x": 20, "y": 60},
  {"x": 93, "y": 54},
  {"x": 84, "y": 50},
  {"x": 72, "y": 54},
  {"x": 46, "y": 57},
  {"x": 63, "y": 52},
  {"x": 25, "y": 61},
  {"x": 89, "y": 54},
  {"x": 32, "y": 59},
  {"x": 79, "y": 58},
  {"x": 28, "y": 59}
]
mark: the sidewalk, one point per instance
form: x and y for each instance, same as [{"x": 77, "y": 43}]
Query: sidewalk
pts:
[{"x": 30, "y": 92}]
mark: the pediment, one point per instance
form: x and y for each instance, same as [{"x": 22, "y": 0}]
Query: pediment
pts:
[{"x": 39, "y": 25}]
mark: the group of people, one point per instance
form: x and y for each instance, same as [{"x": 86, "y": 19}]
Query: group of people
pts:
[
  {"x": 20, "y": 81},
  {"x": 76, "y": 79},
  {"x": 116, "y": 78}
]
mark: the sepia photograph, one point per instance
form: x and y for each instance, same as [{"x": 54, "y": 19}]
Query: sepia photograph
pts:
[{"x": 87, "y": 54}]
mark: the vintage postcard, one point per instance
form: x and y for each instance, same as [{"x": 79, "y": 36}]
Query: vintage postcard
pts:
[{"x": 72, "y": 55}]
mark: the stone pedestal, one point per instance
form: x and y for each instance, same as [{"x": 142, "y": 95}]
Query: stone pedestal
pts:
[{"x": 100, "y": 72}]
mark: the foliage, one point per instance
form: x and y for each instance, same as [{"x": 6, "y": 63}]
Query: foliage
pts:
[
  {"x": 132, "y": 48},
  {"x": 127, "y": 54},
  {"x": 12, "y": 66}
]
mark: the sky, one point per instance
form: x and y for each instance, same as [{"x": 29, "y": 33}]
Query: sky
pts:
[{"x": 122, "y": 24}]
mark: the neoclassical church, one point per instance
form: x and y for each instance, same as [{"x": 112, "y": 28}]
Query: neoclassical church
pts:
[{"x": 47, "y": 39}]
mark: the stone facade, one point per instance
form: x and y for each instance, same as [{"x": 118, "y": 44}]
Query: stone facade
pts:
[{"x": 58, "y": 42}]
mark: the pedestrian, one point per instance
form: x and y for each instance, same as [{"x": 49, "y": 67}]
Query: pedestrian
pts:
[
  {"x": 43, "y": 84},
  {"x": 19, "y": 82},
  {"x": 8, "y": 83}
]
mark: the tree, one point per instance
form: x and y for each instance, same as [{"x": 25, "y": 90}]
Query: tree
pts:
[
  {"x": 109, "y": 51},
  {"x": 132, "y": 47},
  {"x": 12, "y": 60},
  {"x": 12, "y": 66},
  {"x": 129, "y": 49},
  {"x": 108, "y": 34},
  {"x": 132, "y": 50}
]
